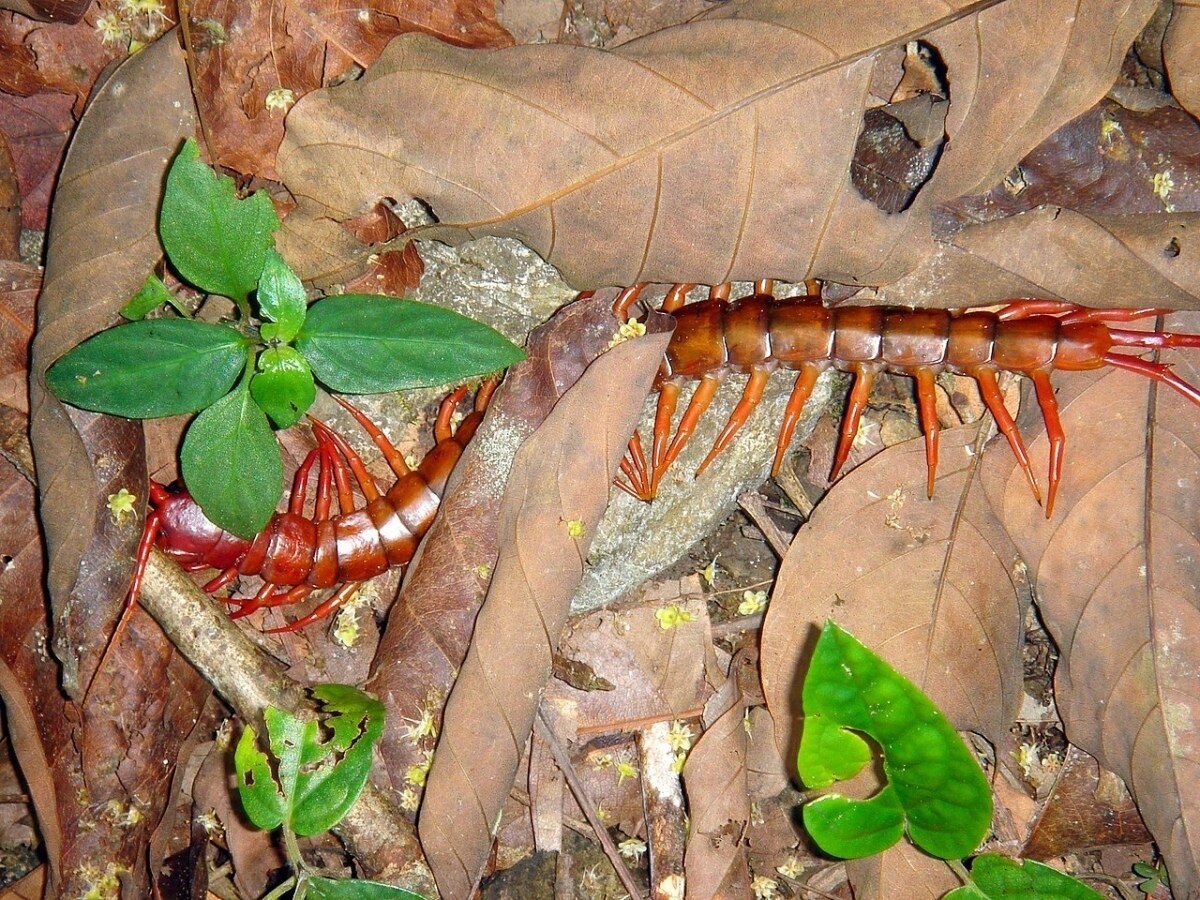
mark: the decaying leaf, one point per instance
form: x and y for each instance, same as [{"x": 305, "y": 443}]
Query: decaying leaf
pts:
[{"x": 716, "y": 150}]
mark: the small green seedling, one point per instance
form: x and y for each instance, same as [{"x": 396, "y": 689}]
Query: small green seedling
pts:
[
  {"x": 261, "y": 369},
  {"x": 315, "y": 772},
  {"x": 1152, "y": 876},
  {"x": 995, "y": 877},
  {"x": 935, "y": 788}
]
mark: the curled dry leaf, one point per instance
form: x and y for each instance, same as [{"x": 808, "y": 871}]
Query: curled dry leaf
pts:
[
  {"x": 1116, "y": 571},
  {"x": 713, "y": 151},
  {"x": 556, "y": 492},
  {"x": 1181, "y": 50},
  {"x": 933, "y": 586},
  {"x": 102, "y": 245},
  {"x": 430, "y": 624},
  {"x": 252, "y": 61}
]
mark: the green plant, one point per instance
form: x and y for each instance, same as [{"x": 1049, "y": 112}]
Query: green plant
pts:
[
  {"x": 236, "y": 375},
  {"x": 1152, "y": 876},
  {"x": 314, "y": 774},
  {"x": 935, "y": 788}
]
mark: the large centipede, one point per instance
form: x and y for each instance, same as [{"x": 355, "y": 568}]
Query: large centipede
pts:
[
  {"x": 296, "y": 554},
  {"x": 759, "y": 334}
]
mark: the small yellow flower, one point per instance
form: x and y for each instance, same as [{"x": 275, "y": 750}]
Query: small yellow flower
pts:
[
  {"x": 345, "y": 627},
  {"x": 603, "y": 761},
  {"x": 575, "y": 528},
  {"x": 752, "y": 602},
  {"x": 112, "y": 29},
  {"x": 764, "y": 888},
  {"x": 679, "y": 762},
  {"x": 709, "y": 572},
  {"x": 120, "y": 505},
  {"x": 416, "y": 774},
  {"x": 625, "y": 769},
  {"x": 672, "y": 616},
  {"x": 424, "y": 727},
  {"x": 211, "y": 824},
  {"x": 792, "y": 869},
  {"x": 630, "y": 329},
  {"x": 483, "y": 570},
  {"x": 1162, "y": 184},
  {"x": 632, "y": 848},
  {"x": 280, "y": 100},
  {"x": 679, "y": 737},
  {"x": 408, "y": 800}
]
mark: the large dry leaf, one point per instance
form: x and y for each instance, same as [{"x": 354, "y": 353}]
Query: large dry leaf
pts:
[
  {"x": 933, "y": 586},
  {"x": 900, "y": 873},
  {"x": 101, "y": 247},
  {"x": 10, "y": 204},
  {"x": 556, "y": 492},
  {"x": 37, "y": 129},
  {"x": 19, "y": 284},
  {"x": 711, "y": 151},
  {"x": 253, "y": 60},
  {"x": 1181, "y": 50},
  {"x": 430, "y": 624},
  {"x": 1116, "y": 573}
]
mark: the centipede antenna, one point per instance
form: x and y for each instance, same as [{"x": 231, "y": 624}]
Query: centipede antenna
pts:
[
  {"x": 994, "y": 401},
  {"x": 863, "y": 380},
  {"x": 751, "y": 397},
  {"x": 1152, "y": 340},
  {"x": 395, "y": 459},
  {"x": 806, "y": 380},
  {"x": 1054, "y": 433},
  {"x": 927, "y": 407},
  {"x": 1156, "y": 370}
]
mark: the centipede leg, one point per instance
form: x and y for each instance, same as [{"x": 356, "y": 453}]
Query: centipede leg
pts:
[
  {"x": 751, "y": 397},
  {"x": 145, "y": 545},
  {"x": 1054, "y": 433},
  {"x": 806, "y": 380},
  {"x": 1158, "y": 371},
  {"x": 994, "y": 401},
  {"x": 259, "y": 600},
  {"x": 365, "y": 479},
  {"x": 626, "y": 299},
  {"x": 635, "y": 469},
  {"x": 441, "y": 427},
  {"x": 395, "y": 459},
  {"x": 676, "y": 297},
  {"x": 702, "y": 397},
  {"x": 324, "y": 608},
  {"x": 1023, "y": 309},
  {"x": 855, "y": 406},
  {"x": 927, "y": 406}
]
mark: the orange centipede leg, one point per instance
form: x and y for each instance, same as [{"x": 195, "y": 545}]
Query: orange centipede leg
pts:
[
  {"x": 864, "y": 378},
  {"x": 395, "y": 459},
  {"x": 751, "y": 397},
  {"x": 701, "y": 398},
  {"x": 324, "y": 608},
  {"x": 994, "y": 401},
  {"x": 1054, "y": 433},
  {"x": 927, "y": 406},
  {"x": 806, "y": 380}
]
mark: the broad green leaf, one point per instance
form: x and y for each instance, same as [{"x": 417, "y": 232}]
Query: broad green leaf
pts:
[
  {"x": 215, "y": 240},
  {"x": 328, "y": 889},
  {"x": 281, "y": 298},
  {"x": 933, "y": 781},
  {"x": 316, "y": 780},
  {"x": 995, "y": 877},
  {"x": 365, "y": 343},
  {"x": 231, "y": 464},
  {"x": 151, "y": 295},
  {"x": 283, "y": 386},
  {"x": 161, "y": 367}
]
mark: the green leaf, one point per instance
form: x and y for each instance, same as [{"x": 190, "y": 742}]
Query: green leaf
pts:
[
  {"x": 995, "y": 877},
  {"x": 935, "y": 787},
  {"x": 215, "y": 240},
  {"x": 328, "y": 889},
  {"x": 365, "y": 343},
  {"x": 282, "y": 299},
  {"x": 283, "y": 386},
  {"x": 161, "y": 367},
  {"x": 231, "y": 464},
  {"x": 151, "y": 295},
  {"x": 316, "y": 780}
]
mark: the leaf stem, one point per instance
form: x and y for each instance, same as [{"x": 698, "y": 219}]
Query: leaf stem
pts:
[
  {"x": 281, "y": 889},
  {"x": 960, "y": 870}
]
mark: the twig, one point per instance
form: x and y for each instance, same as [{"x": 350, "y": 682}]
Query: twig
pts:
[
  {"x": 752, "y": 503},
  {"x": 589, "y": 811}
]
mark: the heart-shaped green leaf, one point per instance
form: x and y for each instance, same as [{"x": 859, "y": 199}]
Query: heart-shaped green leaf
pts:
[
  {"x": 231, "y": 464},
  {"x": 995, "y": 877},
  {"x": 935, "y": 788},
  {"x": 283, "y": 386},
  {"x": 161, "y": 367},
  {"x": 214, "y": 239},
  {"x": 366, "y": 343}
]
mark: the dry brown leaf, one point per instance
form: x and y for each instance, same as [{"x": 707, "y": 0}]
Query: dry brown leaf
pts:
[
  {"x": 719, "y": 802},
  {"x": 1181, "y": 49},
  {"x": 19, "y": 285},
  {"x": 65, "y": 56},
  {"x": 252, "y": 61},
  {"x": 556, "y": 492},
  {"x": 742, "y": 125},
  {"x": 57, "y": 10},
  {"x": 1116, "y": 575},
  {"x": 900, "y": 873},
  {"x": 10, "y": 204},
  {"x": 37, "y": 128},
  {"x": 930, "y": 585},
  {"x": 100, "y": 249},
  {"x": 431, "y": 622}
]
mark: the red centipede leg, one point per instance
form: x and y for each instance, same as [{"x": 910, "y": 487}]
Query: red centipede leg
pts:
[
  {"x": 765, "y": 287},
  {"x": 626, "y": 299},
  {"x": 720, "y": 291},
  {"x": 634, "y": 467},
  {"x": 395, "y": 459},
  {"x": 441, "y": 427},
  {"x": 300, "y": 482},
  {"x": 1156, "y": 370},
  {"x": 265, "y": 593},
  {"x": 1152, "y": 340},
  {"x": 927, "y": 406},
  {"x": 668, "y": 399},
  {"x": 345, "y": 493},
  {"x": 483, "y": 396},
  {"x": 812, "y": 288},
  {"x": 1023, "y": 309},
  {"x": 676, "y": 297},
  {"x": 324, "y": 608},
  {"x": 1054, "y": 433},
  {"x": 145, "y": 545},
  {"x": 864, "y": 378},
  {"x": 702, "y": 397},
  {"x": 751, "y": 397},
  {"x": 1086, "y": 314},
  {"x": 365, "y": 479},
  {"x": 806, "y": 380},
  {"x": 994, "y": 401}
]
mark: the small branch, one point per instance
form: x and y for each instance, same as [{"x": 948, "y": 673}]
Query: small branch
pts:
[{"x": 752, "y": 503}]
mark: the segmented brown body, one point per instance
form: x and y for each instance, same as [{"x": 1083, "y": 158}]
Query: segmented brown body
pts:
[
  {"x": 760, "y": 333},
  {"x": 296, "y": 554}
]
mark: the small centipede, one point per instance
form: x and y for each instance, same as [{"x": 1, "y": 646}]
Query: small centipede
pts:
[
  {"x": 296, "y": 554},
  {"x": 760, "y": 333}
]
